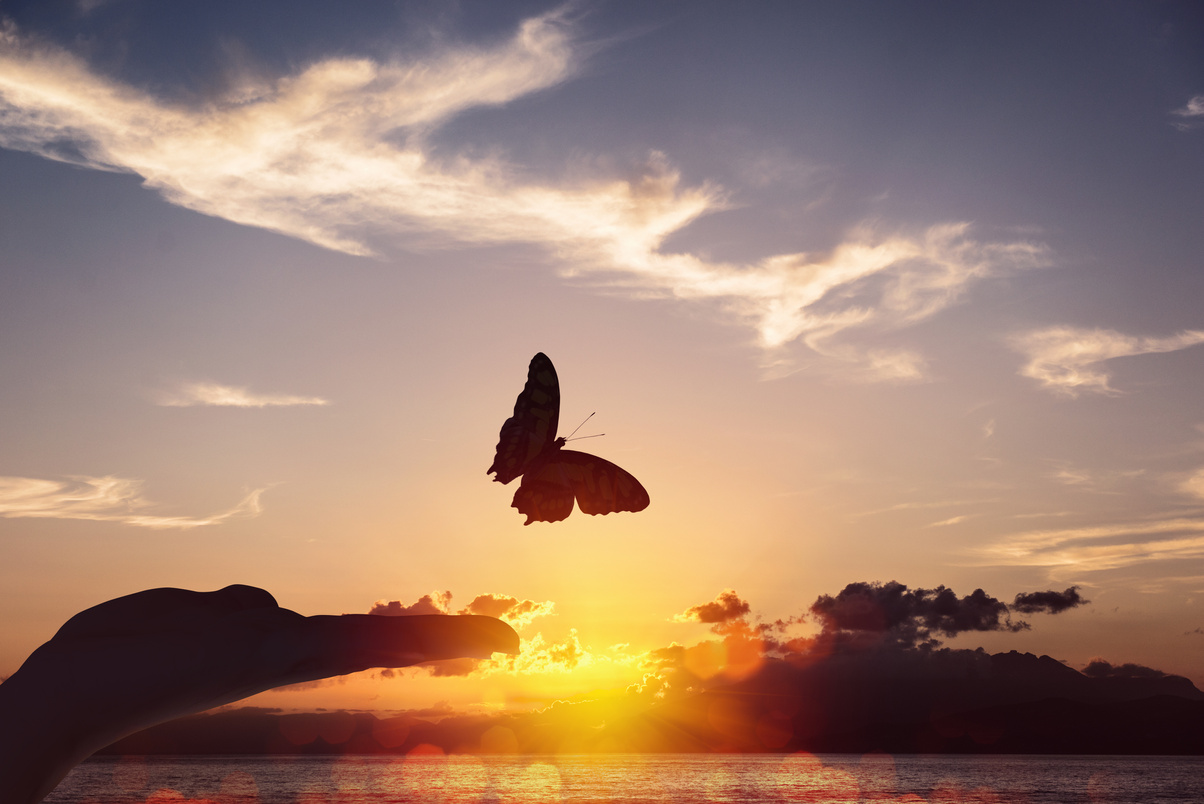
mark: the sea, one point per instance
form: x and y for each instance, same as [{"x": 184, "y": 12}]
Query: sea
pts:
[{"x": 636, "y": 778}]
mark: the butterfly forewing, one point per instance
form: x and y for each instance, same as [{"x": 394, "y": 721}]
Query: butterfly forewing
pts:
[{"x": 532, "y": 428}]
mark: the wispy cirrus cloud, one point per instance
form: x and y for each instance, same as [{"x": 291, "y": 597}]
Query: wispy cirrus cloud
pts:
[
  {"x": 1193, "y": 108},
  {"x": 334, "y": 155},
  {"x": 1069, "y": 360},
  {"x": 869, "y": 282},
  {"x": 920, "y": 506},
  {"x": 103, "y": 499},
  {"x": 1094, "y": 548},
  {"x": 213, "y": 394},
  {"x": 1095, "y": 481},
  {"x": 339, "y": 155},
  {"x": 1191, "y": 114},
  {"x": 1194, "y": 484},
  {"x": 953, "y": 520}
]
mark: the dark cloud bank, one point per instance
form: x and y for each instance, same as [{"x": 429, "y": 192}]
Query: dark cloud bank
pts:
[{"x": 875, "y": 678}]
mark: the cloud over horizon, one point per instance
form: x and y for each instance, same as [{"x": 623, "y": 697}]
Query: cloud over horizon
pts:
[
  {"x": 103, "y": 499},
  {"x": 1050, "y": 601},
  {"x": 433, "y": 603},
  {"x": 1099, "y": 668},
  {"x": 340, "y": 155},
  {"x": 727, "y": 605},
  {"x": 536, "y": 655},
  {"x": 515, "y": 612},
  {"x": 892, "y": 614},
  {"x": 863, "y": 618}
]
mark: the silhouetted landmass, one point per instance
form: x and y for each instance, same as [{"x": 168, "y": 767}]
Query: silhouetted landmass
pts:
[{"x": 898, "y": 701}]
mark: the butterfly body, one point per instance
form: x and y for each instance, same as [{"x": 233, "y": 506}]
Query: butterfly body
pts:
[{"x": 553, "y": 477}]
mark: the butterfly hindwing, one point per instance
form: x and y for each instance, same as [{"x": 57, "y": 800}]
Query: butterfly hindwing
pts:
[
  {"x": 546, "y": 493},
  {"x": 550, "y": 485},
  {"x": 532, "y": 428}
]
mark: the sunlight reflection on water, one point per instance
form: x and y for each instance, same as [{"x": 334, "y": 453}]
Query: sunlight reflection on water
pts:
[{"x": 634, "y": 778}]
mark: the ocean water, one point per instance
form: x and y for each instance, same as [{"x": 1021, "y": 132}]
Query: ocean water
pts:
[{"x": 635, "y": 778}]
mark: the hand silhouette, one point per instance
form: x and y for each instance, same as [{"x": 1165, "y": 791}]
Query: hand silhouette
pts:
[{"x": 142, "y": 659}]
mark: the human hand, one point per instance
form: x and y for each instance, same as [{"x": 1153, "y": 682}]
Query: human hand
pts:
[{"x": 146, "y": 658}]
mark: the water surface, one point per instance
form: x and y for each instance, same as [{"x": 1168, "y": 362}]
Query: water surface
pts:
[{"x": 635, "y": 778}]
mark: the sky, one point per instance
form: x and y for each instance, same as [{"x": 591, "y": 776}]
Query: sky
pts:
[{"x": 863, "y": 293}]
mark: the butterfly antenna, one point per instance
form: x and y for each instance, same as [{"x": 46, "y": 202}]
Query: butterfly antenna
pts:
[
  {"x": 579, "y": 438},
  {"x": 578, "y": 427}
]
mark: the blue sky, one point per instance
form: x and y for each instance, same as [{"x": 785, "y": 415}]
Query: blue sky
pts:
[{"x": 861, "y": 291}]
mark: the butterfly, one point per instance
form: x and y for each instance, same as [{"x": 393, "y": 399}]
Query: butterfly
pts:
[{"x": 554, "y": 476}]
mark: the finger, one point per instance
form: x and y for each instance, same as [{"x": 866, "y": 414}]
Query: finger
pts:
[
  {"x": 146, "y": 610},
  {"x": 352, "y": 642}
]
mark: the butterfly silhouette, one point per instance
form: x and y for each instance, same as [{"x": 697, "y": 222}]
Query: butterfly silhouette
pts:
[{"x": 554, "y": 476}]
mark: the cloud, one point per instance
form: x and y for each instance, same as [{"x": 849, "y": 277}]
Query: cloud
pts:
[
  {"x": 915, "y": 506},
  {"x": 103, "y": 499},
  {"x": 869, "y": 282},
  {"x": 518, "y": 613},
  {"x": 1194, "y": 108},
  {"x": 877, "y": 664},
  {"x": 897, "y": 702},
  {"x": 208, "y": 393},
  {"x": 727, "y": 605},
  {"x": 1098, "y": 668},
  {"x": 745, "y": 641},
  {"x": 1094, "y": 481},
  {"x": 1049, "y": 601},
  {"x": 449, "y": 668},
  {"x": 1194, "y": 485},
  {"x": 340, "y": 155},
  {"x": 873, "y": 612},
  {"x": 1094, "y": 548},
  {"x": 1073, "y": 476},
  {"x": 330, "y": 155},
  {"x": 537, "y": 656},
  {"x": 434, "y": 603},
  {"x": 515, "y": 612},
  {"x": 916, "y": 698},
  {"x": 1191, "y": 112},
  {"x": 862, "y": 616},
  {"x": 901, "y": 365},
  {"x": 1068, "y": 360}
]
